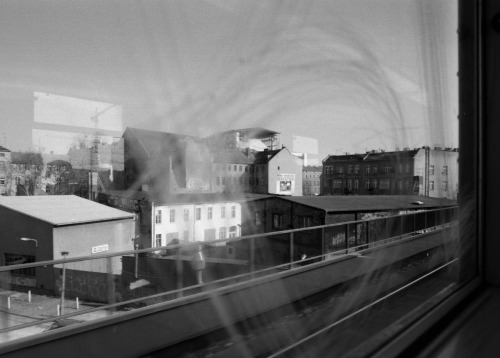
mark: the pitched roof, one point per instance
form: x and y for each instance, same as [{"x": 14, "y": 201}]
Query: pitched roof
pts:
[
  {"x": 367, "y": 203},
  {"x": 265, "y": 156},
  {"x": 2, "y": 149},
  {"x": 61, "y": 210},
  {"x": 155, "y": 143},
  {"x": 27, "y": 158},
  {"x": 231, "y": 157},
  {"x": 188, "y": 198},
  {"x": 374, "y": 156}
]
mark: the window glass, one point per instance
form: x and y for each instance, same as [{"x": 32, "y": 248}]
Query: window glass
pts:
[{"x": 138, "y": 106}]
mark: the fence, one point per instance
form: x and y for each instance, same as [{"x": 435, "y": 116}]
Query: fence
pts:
[{"x": 155, "y": 275}]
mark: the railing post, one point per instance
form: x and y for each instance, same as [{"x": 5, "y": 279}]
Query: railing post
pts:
[
  {"x": 323, "y": 243},
  {"x": 346, "y": 237},
  {"x": 252, "y": 256},
  {"x": 291, "y": 249},
  {"x": 179, "y": 273},
  {"x": 367, "y": 232}
]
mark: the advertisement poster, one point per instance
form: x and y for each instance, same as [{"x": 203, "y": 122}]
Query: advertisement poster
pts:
[{"x": 285, "y": 184}]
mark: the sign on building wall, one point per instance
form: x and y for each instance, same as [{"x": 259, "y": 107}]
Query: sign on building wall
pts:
[{"x": 285, "y": 184}]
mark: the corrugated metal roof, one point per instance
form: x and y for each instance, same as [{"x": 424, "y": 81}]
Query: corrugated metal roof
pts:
[
  {"x": 62, "y": 209},
  {"x": 367, "y": 203}
]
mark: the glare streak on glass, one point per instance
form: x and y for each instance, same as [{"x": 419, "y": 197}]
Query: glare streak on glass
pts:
[{"x": 222, "y": 145}]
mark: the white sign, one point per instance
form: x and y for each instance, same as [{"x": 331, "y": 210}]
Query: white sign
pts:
[
  {"x": 101, "y": 248},
  {"x": 285, "y": 184}
]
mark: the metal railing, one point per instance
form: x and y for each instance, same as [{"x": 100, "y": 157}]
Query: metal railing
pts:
[{"x": 77, "y": 289}]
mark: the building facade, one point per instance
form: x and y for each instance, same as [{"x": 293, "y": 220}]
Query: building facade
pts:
[
  {"x": 311, "y": 180},
  {"x": 42, "y": 228},
  {"x": 195, "y": 220},
  {"x": 232, "y": 171},
  {"x": 5, "y": 159},
  {"x": 277, "y": 172},
  {"x": 422, "y": 171}
]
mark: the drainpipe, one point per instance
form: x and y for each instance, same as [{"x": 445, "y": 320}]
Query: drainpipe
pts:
[{"x": 153, "y": 222}]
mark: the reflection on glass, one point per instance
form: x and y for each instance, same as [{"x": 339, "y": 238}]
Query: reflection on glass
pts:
[{"x": 309, "y": 145}]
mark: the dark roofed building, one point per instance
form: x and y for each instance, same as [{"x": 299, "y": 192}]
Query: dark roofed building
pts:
[
  {"x": 304, "y": 211},
  {"x": 165, "y": 163},
  {"x": 422, "y": 171},
  {"x": 232, "y": 171}
]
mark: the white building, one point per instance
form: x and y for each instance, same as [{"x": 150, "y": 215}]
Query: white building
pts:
[{"x": 192, "y": 218}]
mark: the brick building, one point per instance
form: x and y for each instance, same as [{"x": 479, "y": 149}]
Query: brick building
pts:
[{"x": 422, "y": 171}]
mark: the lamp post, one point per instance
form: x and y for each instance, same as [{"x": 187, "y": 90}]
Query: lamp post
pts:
[
  {"x": 28, "y": 239},
  {"x": 64, "y": 254}
]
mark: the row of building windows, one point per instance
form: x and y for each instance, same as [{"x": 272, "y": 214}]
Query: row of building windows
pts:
[
  {"x": 198, "y": 214},
  {"x": 232, "y": 167},
  {"x": 224, "y": 233},
  {"x": 233, "y": 180},
  {"x": 374, "y": 169},
  {"x": 378, "y": 184}
]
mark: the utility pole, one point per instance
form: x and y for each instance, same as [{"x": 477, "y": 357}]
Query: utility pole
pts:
[{"x": 94, "y": 161}]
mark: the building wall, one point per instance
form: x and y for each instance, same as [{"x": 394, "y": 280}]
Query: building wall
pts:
[
  {"x": 14, "y": 226},
  {"x": 232, "y": 177},
  {"x": 192, "y": 229},
  {"x": 437, "y": 182},
  {"x": 400, "y": 173},
  {"x": 107, "y": 237},
  {"x": 311, "y": 179},
  {"x": 5, "y": 158},
  {"x": 284, "y": 174}
]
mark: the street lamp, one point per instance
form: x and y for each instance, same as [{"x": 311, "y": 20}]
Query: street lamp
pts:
[
  {"x": 28, "y": 239},
  {"x": 64, "y": 254}
]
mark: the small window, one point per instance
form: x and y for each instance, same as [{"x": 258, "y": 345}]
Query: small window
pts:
[
  {"x": 277, "y": 221},
  {"x": 158, "y": 217},
  {"x": 305, "y": 221},
  {"x": 431, "y": 185},
  {"x": 431, "y": 169},
  {"x": 445, "y": 185},
  {"x": 172, "y": 215},
  {"x": 158, "y": 240},
  {"x": 233, "y": 232},
  {"x": 223, "y": 212},
  {"x": 445, "y": 170},
  {"x": 198, "y": 213},
  {"x": 233, "y": 211},
  {"x": 186, "y": 214},
  {"x": 222, "y": 233},
  {"x": 258, "y": 218},
  {"x": 209, "y": 213}
]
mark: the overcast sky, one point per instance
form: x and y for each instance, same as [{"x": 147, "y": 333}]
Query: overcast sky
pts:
[{"x": 355, "y": 74}]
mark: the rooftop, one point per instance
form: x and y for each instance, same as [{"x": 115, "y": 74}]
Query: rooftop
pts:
[
  {"x": 60, "y": 210},
  {"x": 367, "y": 203},
  {"x": 189, "y": 198},
  {"x": 154, "y": 142},
  {"x": 231, "y": 157}
]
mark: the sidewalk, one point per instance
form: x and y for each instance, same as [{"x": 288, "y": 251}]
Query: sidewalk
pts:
[{"x": 40, "y": 308}]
